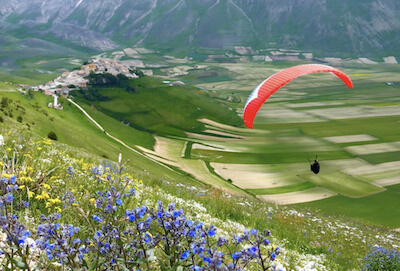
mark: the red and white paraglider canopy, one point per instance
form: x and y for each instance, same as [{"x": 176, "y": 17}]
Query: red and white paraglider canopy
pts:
[{"x": 261, "y": 93}]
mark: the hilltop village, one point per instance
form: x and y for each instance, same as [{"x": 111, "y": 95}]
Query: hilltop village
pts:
[{"x": 62, "y": 85}]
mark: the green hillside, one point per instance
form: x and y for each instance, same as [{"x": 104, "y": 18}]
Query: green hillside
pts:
[
  {"x": 73, "y": 128},
  {"x": 157, "y": 107},
  {"x": 70, "y": 175}
]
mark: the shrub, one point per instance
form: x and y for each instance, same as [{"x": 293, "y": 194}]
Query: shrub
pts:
[{"x": 52, "y": 135}]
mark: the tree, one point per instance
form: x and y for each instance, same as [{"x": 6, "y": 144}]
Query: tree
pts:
[
  {"x": 52, "y": 135},
  {"x": 4, "y": 102}
]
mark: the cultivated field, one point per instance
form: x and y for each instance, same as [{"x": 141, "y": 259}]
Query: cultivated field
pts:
[{"x": 355, "y": 133}]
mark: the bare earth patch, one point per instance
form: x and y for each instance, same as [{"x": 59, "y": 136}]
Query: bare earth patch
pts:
[
  {"x": 312, "y": 104},
  {"x": 312, "y": 194},
  {"x": 283, "y": 115},
  {"x": 387, "y": 181},
  {"x": 222, "y": 133},
  {"x": 251, "y": 176},
  {"x": 350, "y": 138},
  {"x": 369, "y": 169},
  {"x": 374, "y": 148},
  {"x": 361, "y": 111},
  {"x": 228, "y": 128}
]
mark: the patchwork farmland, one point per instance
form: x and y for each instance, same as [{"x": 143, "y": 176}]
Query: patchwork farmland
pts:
[{"x": 355, "y": 132}]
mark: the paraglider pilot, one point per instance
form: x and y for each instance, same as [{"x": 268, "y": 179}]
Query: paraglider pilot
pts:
[{"x": 315, "y": 166}]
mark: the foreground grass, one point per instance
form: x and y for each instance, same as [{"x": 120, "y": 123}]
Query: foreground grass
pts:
[{"x": 55, "y": 178}]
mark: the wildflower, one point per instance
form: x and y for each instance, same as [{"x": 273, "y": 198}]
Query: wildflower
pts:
[
  {"x": 185, "y": 255},
  {"x": 9, "y": 198},
  {"x": 211, "y": 231},
  {"x": 70, "y": 171},
  {"x": 97, "y": 218},
  {"x": 44, "y": 195}
]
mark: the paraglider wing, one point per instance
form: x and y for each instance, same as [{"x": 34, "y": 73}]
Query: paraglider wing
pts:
[{"x": 261, "y": 93}]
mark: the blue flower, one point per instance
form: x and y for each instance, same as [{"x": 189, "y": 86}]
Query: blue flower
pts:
[
  {"x": 192, "y": 234},
  {"x": 97, "y": 218},
  {"x": 118, "y": 202},
  {"x": 176, "y": 214},
  {"x": 253, "y": 232},
  {"x": 211, "y": 232},
  {"x": 266, "y": 242},
  {"x": 236, "y": 255},
  {"x": 9, "y": 198},
  {"x": 185, "y": 255},
  {"x": 273, "y": 256}
]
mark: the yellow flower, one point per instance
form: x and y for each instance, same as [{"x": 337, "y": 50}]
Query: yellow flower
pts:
[
  {"x": 31, "y": 194},
  {"x": 74, "y": 204},
  {"x": 26, "y": 179},
  {"x": 51, "y": 202},
  {"x": 8, "y": 149},
  {"x": 92, "y": 201},
  {"x": 5, "y": 175},
  {"x": 58, "y": 209},
  {"x": 1, "y": 164},
  {"x": 86, "y": 166},
  {"x": 44, "y": 195},
  {"x": 47, "y": 141},
  {"x": 39, "y": 148},
  {"x": 21, "y": 187},
  {"x": 46, "y": 186}
]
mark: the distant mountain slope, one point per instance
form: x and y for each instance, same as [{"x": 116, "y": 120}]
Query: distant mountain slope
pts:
[{"x": 327, "y": 27}]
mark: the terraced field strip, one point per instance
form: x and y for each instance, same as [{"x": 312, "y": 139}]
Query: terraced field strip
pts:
[
  {"x": 257, "y": 176},
  {"x": 342, "y": 183},
  {"x": 282, "y": 189},
  {"x": 361, "y": 111},
  {"x": 350, "y": 138},
  {"x": 171, "y": 152},
  {"x": 374, "y": 148},
  {"x": 312, "y": 194}
]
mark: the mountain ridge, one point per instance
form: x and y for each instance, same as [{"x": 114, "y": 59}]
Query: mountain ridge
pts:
[{"x": 329, "y": 27}]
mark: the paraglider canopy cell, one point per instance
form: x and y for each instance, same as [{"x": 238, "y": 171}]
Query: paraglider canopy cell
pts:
[{"x": 270, "y": 85}]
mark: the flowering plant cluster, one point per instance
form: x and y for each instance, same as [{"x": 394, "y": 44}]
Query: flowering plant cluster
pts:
[
  {"x": 380, "y": 258},
  {"x": 113, "y": 231}
]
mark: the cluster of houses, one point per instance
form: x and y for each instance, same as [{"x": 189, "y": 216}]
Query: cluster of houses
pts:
[{"x": 75, "y": 79}]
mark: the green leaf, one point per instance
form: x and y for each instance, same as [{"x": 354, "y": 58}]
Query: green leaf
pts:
[
  {"x": 19, "y": 263},
  {"x": 94, "y": 264},
  {"x": 122, "y": 264}
]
